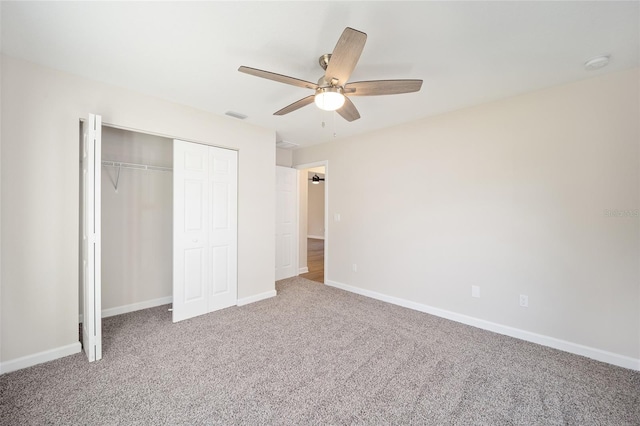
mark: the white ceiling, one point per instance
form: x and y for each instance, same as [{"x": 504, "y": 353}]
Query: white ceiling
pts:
[{"x": 467, "y": 53}]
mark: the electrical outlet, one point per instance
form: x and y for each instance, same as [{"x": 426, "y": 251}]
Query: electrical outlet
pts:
[
  {"x": 354, "y": 267},
  {"x": 336, "y": 217},
  {"x": 524, "y": 300},
  {"x": 475, "y": 291}
]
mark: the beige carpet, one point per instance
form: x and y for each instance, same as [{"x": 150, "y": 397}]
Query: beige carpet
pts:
[{"x": 317, "y": 355}]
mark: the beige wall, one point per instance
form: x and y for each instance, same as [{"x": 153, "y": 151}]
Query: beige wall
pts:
[
  {"x": 509, "y": 196},
  {"x": 40, "y": 150},
  {"x": 284, "y": 157},
  {"x": 137, "y": 220}
]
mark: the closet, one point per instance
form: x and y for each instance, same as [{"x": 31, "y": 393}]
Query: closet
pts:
[
  {"x": 137, "y": 218},
  {"x": 159, "y": 226}
]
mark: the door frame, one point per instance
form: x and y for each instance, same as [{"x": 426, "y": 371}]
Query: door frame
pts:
[{"x": 327, "y": 183}]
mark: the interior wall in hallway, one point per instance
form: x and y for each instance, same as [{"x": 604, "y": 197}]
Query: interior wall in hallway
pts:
[{"x": 315, "y": 209}]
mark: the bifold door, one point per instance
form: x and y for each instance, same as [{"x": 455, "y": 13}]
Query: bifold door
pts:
[
  {"x": 91, "y": 283},
  {"x": 205, "y": 188}
]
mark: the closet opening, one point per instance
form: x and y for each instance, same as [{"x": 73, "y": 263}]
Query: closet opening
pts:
[{"x": 136, "y": 198}]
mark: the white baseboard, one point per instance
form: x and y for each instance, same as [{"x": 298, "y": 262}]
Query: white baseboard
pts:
[
  {"x": 256, "y": 297},
  {"x": 136, "y": 306},
  {"x": 552, "y": 342},
  {"x": 39, "y": 358},
  {"x": 119, "y": 310},
  {"x": 303, "y": 270},
  {"x": 316, "y": 237},
  {"x": 52, "y": 354}
]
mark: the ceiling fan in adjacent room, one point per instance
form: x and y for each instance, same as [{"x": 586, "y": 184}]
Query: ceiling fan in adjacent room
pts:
[
  {"x": 316, "y": 179},
  {"x": 332, "y": 91}
]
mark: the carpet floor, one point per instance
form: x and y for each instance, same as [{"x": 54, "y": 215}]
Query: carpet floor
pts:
[{"x": 317, "y": 355}]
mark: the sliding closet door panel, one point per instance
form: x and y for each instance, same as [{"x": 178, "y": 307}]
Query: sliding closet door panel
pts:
[
  {"x": 191, "y": 274},
  {"x": 223, "y": 243}
]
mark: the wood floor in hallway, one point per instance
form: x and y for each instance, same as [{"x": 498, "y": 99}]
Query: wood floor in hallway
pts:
[{"x": 315, "y": 260}]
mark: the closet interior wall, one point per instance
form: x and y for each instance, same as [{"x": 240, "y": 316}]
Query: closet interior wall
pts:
[{"x": 137, "y": 221}]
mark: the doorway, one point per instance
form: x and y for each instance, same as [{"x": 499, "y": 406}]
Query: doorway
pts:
[
  {"x": 313, "y": 208},
  {"x": 315, "y": 260}
]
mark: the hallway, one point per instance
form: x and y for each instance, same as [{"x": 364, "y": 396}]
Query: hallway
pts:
[{"x": 315, "y": 260}]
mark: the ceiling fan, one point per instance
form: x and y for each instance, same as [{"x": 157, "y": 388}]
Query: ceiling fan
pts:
[
  {"x": 333, "y": 90},
  {"x": 316, "y": 179}
]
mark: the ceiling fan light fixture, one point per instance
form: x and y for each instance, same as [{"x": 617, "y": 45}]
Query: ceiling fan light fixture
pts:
[{"x": 329, "y": 98}]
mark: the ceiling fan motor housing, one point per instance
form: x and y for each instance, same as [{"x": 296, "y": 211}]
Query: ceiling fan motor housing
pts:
[{"x": 324, "y": 60}]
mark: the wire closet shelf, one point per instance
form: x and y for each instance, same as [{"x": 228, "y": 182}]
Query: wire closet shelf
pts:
[{"x": 135, "y": 166}]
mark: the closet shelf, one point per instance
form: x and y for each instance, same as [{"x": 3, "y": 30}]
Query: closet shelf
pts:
[{"x": 120, "y": 164}]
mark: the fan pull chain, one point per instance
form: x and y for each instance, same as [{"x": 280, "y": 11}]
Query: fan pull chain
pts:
[{"x": 323, "y": 124}]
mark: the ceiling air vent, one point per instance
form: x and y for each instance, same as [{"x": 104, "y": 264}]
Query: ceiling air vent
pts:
[
  {"x": 286, "y": 145},
  {"x": 236, "y": 115}
]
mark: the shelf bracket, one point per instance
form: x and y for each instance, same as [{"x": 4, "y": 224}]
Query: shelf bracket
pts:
[{"x": 118, "y": 176}]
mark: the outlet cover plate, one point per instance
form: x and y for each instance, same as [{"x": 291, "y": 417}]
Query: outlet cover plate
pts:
[{"x": 475, "y": 291}]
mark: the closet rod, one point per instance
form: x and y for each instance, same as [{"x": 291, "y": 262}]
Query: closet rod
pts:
[{"x": 119, "y": 164}]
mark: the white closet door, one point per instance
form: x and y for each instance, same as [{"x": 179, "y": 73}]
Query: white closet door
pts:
[
  {"x": 286, "y": 222},
  {"x": 91, "y": 222},
  {"x": 223, "y": 241},
  {"x": 205, "y": 242},
  {"x": 190, "y": 230}
]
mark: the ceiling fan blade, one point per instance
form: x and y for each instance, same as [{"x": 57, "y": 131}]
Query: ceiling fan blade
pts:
[
  {"x": 296, "y": 105},
  {"x": 349, "y": 111},
  {"x": 383, "y": 87},
  {"x": 345, "y": 56},
  {"x": 278, "y": 77}
]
